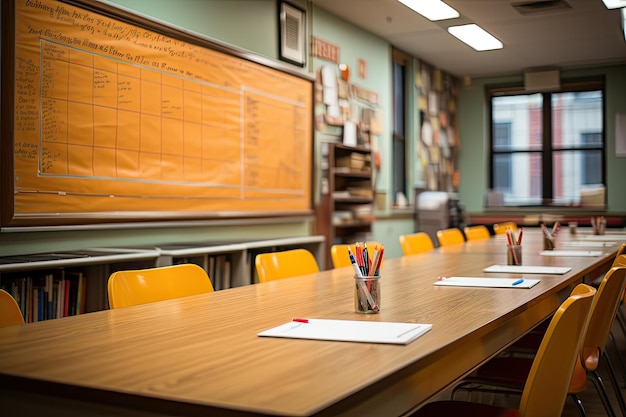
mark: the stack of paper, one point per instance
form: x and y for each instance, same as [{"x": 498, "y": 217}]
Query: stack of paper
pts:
[
  {"x": 349, "y": 331},
  {"x": 589, "y": 244},
  {"x": 528, "y": 269},
  {"x": 487, "y": 282},
  {"x": 570, "y": 253}
]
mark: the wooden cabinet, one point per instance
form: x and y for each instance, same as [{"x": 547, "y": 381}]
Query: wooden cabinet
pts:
[{"x": 345, "y": 214}]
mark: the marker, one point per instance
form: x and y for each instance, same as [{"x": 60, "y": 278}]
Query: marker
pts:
[
  {"x": 355, "y": 266},
  {"x": 519, "y": 281},
  {"x": 297, "y": 320}
]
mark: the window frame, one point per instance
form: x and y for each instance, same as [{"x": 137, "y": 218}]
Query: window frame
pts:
[{"x": 547, "y": 150}]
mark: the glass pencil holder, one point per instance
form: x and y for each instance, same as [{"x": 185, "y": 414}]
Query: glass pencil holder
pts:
[
  {"x": 548, "y": 243},
  {"x": 514, "y": 254},
  {"x": 367, "y": 294}
]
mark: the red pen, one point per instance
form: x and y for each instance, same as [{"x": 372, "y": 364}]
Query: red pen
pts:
[
  {"x": 298, "y": 320},
  {"x": 519, "y": 237}
]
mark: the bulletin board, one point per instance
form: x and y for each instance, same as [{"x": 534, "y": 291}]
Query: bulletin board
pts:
[{"x": 111, "y": 116}]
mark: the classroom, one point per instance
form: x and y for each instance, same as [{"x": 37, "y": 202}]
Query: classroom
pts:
[{"x": 212, "y": 132}]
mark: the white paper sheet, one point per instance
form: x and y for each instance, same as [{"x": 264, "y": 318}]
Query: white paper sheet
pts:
[
  {"x": 605, "y": 238},
  {"x": 528, "y": 269},
  {"x": 590, "y": 244},
  {"x": 350, "y": 331},
  {"x": 570, "y": 253},
  {"x": 487, "y": 282}
]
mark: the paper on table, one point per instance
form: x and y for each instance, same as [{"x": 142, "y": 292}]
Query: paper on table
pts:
[
  {"x": 528, "y": 269},
  {"x": 487, "y": 282},
  {"x": 570, "y": 253},
  {"x": 591, "y": 244},
  {"x": 616, "y": 238},
  {"x": 350, "y": 331}
]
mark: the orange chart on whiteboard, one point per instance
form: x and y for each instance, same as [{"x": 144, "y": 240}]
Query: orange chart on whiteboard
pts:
[{"x": 110, "y": 117}]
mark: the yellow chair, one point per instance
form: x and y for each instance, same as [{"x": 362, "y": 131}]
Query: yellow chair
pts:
[
  {"x": 479, "y": 232},
  {"x": 141, "y": 286},
  {"x": 545, "y": 388},
  {"x": 501, "y": 228},
  {"x": 340, "y": 257},
  {"x": 10, "y": 313},
  {"x": 286, "y": 264},
  {"x": 508, "y": 373},
  {"x": 447, "y": 237},
  {"x": 414, "y": 243}
]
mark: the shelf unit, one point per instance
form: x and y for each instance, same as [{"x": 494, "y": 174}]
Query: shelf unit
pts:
[
  {"x": 229, "y": 264},
  {"x": 345, "y": 214}
]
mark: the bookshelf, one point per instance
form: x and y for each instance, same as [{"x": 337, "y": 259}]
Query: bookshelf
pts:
[
  {"x": 345, "y": 214},
  {"x": 59, "y": 284}
]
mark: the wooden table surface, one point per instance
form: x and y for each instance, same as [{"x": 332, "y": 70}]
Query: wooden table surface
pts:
[{"x": 201, "y": 355}]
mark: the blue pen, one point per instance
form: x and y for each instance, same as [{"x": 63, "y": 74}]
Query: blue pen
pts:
[
  {"x": 519, "y": 281},
  {"x": 357, "y": 270},
  {"x": 366, "y": 260}
]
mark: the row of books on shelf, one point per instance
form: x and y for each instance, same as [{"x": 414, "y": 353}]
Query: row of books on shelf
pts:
[
  {"x": 220, "y": 271},
  {"x": 48, "y": 296},
  {"x": 218, "y": 268}
]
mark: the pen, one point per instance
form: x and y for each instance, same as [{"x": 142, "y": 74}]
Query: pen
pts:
[
  {"x": 298, "y": 320},
  {"x": 519, "y": 281},
  {"x": 519, "y": 237},
  {"x": 381, "y": 253},
  {"x": 356, "y": 268},
  {"x": 366, "y": 259}
]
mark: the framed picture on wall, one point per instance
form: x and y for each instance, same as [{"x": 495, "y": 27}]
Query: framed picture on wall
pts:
[{"x": 291, "y": 33}]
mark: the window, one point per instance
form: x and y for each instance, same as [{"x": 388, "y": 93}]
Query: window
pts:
[
  {"x": 399, "y": 104},
  {"x": 547, "y": 147}
]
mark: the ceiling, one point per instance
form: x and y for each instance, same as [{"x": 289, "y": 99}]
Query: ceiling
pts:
[{"x": 585, "y": 34}]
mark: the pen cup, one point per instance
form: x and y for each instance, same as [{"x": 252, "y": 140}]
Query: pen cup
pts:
[
  {"x": 548, "y": 243},
  {"x": 513, "y": 254},
  {"x": 598, "y": 228},
  {"x": 572, "y": 227},
  {"x": 367, "y": 294}
]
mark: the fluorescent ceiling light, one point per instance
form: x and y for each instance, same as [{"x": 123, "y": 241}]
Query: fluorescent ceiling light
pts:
[
  {"x": 614, "y": 4},
  {"x": 431, "y": 9},
  {"x": 475, "y": 36}
]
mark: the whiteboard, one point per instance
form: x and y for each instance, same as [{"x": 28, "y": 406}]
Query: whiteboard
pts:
[{"x": 117, "y": 117}]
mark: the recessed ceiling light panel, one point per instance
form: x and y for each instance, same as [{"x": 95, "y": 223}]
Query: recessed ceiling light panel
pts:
[
  {"x": 431, "y": 9},
  {"x": 476, "y": 37},
  {"x": 614, "y": 4}
]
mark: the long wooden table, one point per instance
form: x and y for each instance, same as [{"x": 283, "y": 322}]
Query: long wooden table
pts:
[{"x": 201, "y": 355}]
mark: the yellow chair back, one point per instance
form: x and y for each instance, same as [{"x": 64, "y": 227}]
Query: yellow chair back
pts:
[
  {"x": 339, "y": 253},
  {"x": 447, "y": 237},
  {"x": 604, "y": 310},
  {"x": 547, "y": 384},
  {"x": 501, "y": 228},
  {"x": 141, "y": 286},
  {"x": 414, "y": 243},
  {"x": 479, "y": 232},
  {"x": 285, "y": 264},
  {"x": 10, "y": 313}
]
